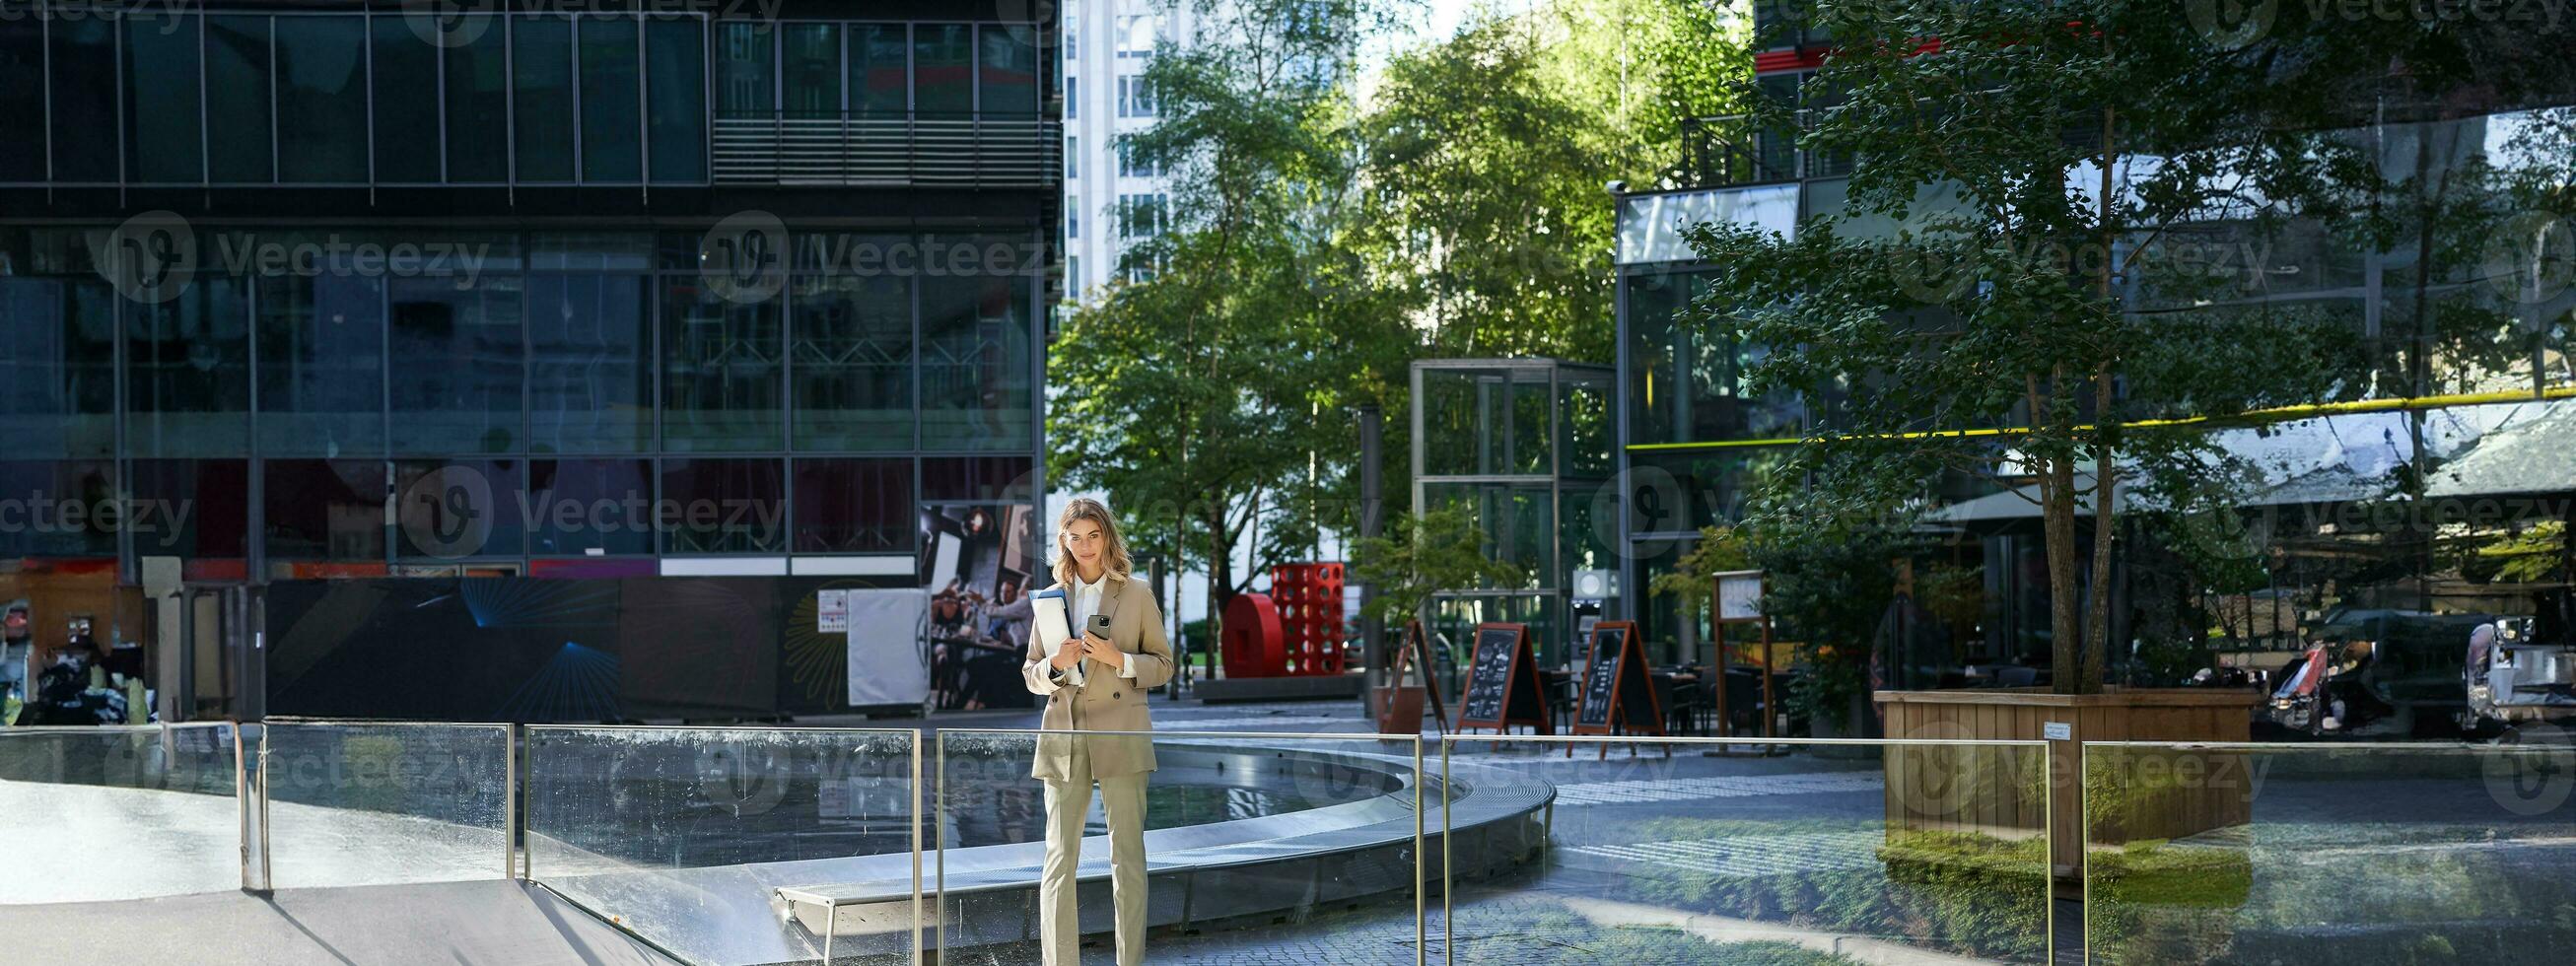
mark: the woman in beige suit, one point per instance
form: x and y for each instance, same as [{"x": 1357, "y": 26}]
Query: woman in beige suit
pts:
[{"x": 1096, "y": 683}]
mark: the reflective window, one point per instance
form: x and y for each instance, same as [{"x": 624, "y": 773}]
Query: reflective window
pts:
[
  {"x": 1009, "y": 70},
  {"x": 321, "y": 99},
  {"x": 406, "y": 72},
  {"x": 611, "y": 127},
  {"x": 981, "y": 479},
  {"x": 590, "y": 389},
  {"x": 676, "y": 99},
  {"x": 187, "y": 371},
  {"x": 721, "y": 382},
  {"x": 57, "y": 367},
  {"x": 321, "y": 364},
  {"x": 943, "y": 79},
  {"x": 44, "y": 491},
  {"x": 811, "y": 68},
  {"x": 577, "y": 507},
  {"x": 22, "y": 97},
  {"x": 746, "y": 77},
  {"x": 162, "y": 99},
  {"x": 84, "y": 96},
  {"x": 451, "y": 509},
  {"x": 880, "y": 68},
  {"x": 458, "y": 362},
  {"x": 854, "y": 506},
  {"x": 852, "y": 362},
  {"x": 191, "y": 508},
  {"x": 722, "y": 506},
  {"x": 541, "y": 85},
  {"x": 478, "y": 104},
  {"x": 239, "y": 146},
  {"x": 975, "y": 361},
  {"x": 324, "y": 509}
]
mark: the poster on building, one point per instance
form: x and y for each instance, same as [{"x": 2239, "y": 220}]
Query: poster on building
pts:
[
  {"x": 831, "y": 612},
  {"x": 884, "y": 627},
  {"x": 979, "y": 564}
]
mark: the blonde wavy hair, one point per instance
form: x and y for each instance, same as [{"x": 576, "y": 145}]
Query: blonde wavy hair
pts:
[{"x": 1114, "y": 556}]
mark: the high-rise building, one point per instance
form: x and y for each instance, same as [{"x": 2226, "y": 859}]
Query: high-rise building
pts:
[{"x": 1113, "y": 197}]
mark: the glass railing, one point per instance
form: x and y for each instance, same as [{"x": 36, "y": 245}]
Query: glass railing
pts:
[
  {"x": 101, "y": 814},
  {"x": 1233, "y": 846},
  {"x": 693, "y": 839},
  {"x": 2351, "y": 854},
  {"x": 1706, "y": 851},
  {"x": 385, "y": 803}
]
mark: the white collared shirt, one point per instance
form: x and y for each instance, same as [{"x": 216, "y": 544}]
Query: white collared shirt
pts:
[{"x": 1083, "y": 600}]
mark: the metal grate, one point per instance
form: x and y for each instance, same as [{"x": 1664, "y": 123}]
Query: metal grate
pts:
[{"x": 966, "y": 150}]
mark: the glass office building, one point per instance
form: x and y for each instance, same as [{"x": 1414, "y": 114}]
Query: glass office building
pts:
[
  {"x": 607, "y": 291},
  {"x": 2434, "y": 483}
]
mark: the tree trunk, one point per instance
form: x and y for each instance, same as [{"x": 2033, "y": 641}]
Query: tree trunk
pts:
[
  {"x": 2065, "y": 610},
  {"x": 2097, "y": 618}
]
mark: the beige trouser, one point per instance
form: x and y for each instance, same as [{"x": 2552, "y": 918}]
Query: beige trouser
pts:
[{"x": 1059, "y": 917}]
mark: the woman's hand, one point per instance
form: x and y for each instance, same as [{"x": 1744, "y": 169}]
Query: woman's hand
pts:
[
  {"x": 1099, "y": 649},
  {"x": 1067, "y": 655}
]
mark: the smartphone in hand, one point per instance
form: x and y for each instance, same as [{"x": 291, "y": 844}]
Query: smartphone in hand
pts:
[{"x": 1100, "y": 624}]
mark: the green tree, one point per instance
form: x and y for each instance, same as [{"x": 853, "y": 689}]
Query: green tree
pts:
[
  {"x": 2003, "y": 261},
  {"x": 1438, "y": 550}
]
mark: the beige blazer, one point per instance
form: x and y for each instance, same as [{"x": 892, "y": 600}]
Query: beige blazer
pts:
[{"x": 1105, "y": 701}]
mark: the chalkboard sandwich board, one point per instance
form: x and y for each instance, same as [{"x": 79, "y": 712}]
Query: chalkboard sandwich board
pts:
[
  {"x": 1617, "y": 696},
  {"x": 1502, "y": 686}
]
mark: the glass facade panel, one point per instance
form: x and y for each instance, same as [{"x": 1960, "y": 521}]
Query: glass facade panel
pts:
[
  {"x": 240, "y": 145},
  {"x": 746, "y": 69},
  {"x": 852, "y": 361},
  {"x": 811, "y": 64},
  {"x": 187, "y": 371},
  {"x": 452, "y": 509},
  {"x": 976, "y": 360},
  {"x": 191, "y": 508},
  {"x": 675, "y": 116},
  {"x": 321, "y": 99},
  {"x": 1686, "y": 387},
  {"x": 721, "y": 382},
  {"x": 611, "y": 126},
  {"x": 52, "y": 500},
  {"x": 58, "y": 366},
  {"x": 321, "y": 364},
  {"x": 588, "y": 340},
  {"x": 459, "y": 353},
  {"x": 541, "y": 86},
  {"x": 478, "y": 104},
  {"x": 854, "y": 505},
  {"x": 406, "y": 86},
  {"x": 880, "y": 69},
  {"x": 722, "y": 506},
  {"x": 1008, "y": 71},
  {"x": 983, "y": 479},
  {"x": 22, "y": 98},
  {"x": 163, "y": 111},
  {"x": 943, "y": 81},
  {"x": 590, "y": 507},
  {"x": 84, "y": 93},
  {"x": 324, "y": 510}
]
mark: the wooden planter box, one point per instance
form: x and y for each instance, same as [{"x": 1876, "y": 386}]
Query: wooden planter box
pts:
[{"x": 1922, "y": 791}]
